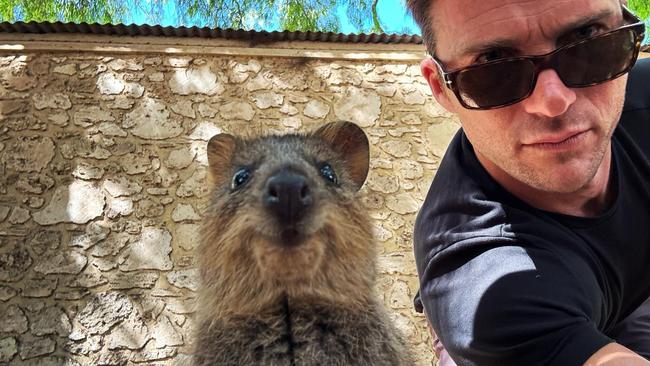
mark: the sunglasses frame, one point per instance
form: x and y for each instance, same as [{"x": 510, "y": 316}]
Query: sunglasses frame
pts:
[{"x": 541, "y": 62}]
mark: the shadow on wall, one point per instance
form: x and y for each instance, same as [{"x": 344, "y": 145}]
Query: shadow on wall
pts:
[
  {"x": 85, "y": 269},
  {"x": 103, "y": 179}
]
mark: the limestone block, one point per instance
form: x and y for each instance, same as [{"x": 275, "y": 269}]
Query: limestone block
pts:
[
  {"x": 87, "y": 171},
  {"x": 184, "y": 108},
  {"x": 385, "y": 90},
  {"x": 410, "y": 169},
  {"x": 393, "y": 69},
  {"x": 386, "y": 184},
  {"x": 289, "y": 109},
  {"x": 415, "y": 98},
  {"x": 19, "y": 215},
  {"x": 79, "y": 202},
  {"x": 8, "y": 349},
  {"x": 139, "y": 164},
  {"x": 83, "y": 147},
  {"x": 184, "y": 212},
  {"x": 292, "y": 122},
  {"x": 381, "y": 234},
  {"x": 90, "y": 115},
  {"x": 108, "y": 129},
  {"x": 151, "y": 251},
  {"x": 187, "y": 236},
  {"x": 165, "y": 335},
  {"x": 344, "y": 76},
  {"x": 358, "y": 106},
  {"x": 7, "y": 292},
  {"x": 14, "y": 262},
  {"x": 396, "y": 262},
  {"x": 89, "y": 278},
  {"x": 237, "y": 110},
  {"x": 122, "y": 186},
  {"x": 148, "y": 208},
  {"x": 316, "y": 109},
  {"x": 153, "y": 61},
  {"x": 93, "y": 234},
  {"x": 411, "y": 119},
  {"x": 194, "y": 185},
  {"x": 131, "y": 333},
  {"x": 149, "y": 354},
  {"x": 400, "y": 296},
  {"x": 439, "y": 136},
  {"x": 207, "y": 111},
  {"x": 4, "y": 212},
  {"x": 199, "y": 80},
  {"x": 397, "y": 148},
  {"x": 131, "y": 280},
  {"x": 32, "y": 347},
  {"x": 35, "y": 202},
  {"x": 41, "y": 287},
  {"x": 51, "y": 100},
  {"x": 120, "y": 206},
  {"x": 43, "y": 241},
  {"x": 150, "y": 120},
  {"x": 157, "y": 77},
  {"x": 267, "y": 99},
  {"x": 180, "y": 158},
  {"x": 119, "y": 65},
  {"x": 403, "y": 203},
  {"x": 28, "y": 154},
  {"x": 204, "y": 131},
  {"x": 13, "y": 320},
  {"x": 104, "y": 310},
  {"x": 62, "y": 263},
  {"x": 186, "y": 278},
  {"x": 51, "y": 320},
  {"x": 109, "y": 83},
  {"x": 260, "y": 82},
  {"x": 122, "y": 102}
]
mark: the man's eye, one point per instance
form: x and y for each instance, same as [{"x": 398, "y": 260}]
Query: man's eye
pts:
[
  {"x": 586, "y": 32},
  {"x": 328, "y": 173},
  {"x": 491, "y": 55},
  {"x": 241, "y": 176}
]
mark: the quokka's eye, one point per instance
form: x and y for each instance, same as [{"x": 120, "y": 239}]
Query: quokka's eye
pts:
[
  {"x": 328, "y": 173},
  {"x": 241, "y": 176}
]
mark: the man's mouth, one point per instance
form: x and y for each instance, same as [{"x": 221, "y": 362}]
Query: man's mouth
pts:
[{"x": 563, "y": 141}]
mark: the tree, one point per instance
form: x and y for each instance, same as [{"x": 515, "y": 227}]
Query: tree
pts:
[
  {"x": 291, "y": 15},
  {"x": 77, "y": 11}
]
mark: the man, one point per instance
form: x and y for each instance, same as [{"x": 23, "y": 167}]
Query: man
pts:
[{"x": 533, "y": 244}]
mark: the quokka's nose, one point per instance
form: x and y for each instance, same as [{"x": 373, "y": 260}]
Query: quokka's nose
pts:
[{"x": 287, "y": 195}]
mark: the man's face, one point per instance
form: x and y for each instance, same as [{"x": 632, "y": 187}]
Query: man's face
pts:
[{"x": 556, "y": 139}]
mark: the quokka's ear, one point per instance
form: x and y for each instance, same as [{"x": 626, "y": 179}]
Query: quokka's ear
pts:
[
  {"x": 351, "y": 143},
  {"x": 221, "y": 149}
]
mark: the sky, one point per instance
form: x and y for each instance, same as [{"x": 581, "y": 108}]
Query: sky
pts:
[{"x": 392, "y": 13}]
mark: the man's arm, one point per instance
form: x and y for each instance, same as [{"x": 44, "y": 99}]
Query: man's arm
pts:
[{"x": 614, "y": 354}]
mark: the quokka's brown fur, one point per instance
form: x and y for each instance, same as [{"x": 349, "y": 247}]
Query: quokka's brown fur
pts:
[{"x": 311, "y": 302}]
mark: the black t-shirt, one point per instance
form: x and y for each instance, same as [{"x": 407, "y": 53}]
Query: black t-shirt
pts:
[{"x": 505, "y": 284}]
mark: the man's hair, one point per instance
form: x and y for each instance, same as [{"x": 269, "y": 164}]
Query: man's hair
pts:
[{"x": 420, "y": 11}]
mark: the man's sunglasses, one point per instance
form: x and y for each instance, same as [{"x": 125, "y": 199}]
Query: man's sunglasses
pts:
[{"x": 588, "y": 62}]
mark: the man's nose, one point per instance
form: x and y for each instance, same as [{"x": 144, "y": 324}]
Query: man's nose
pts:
[{"x": 551, "y": 97}]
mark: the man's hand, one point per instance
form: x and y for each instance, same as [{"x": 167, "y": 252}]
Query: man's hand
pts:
[{"x": 614, "y": 354}]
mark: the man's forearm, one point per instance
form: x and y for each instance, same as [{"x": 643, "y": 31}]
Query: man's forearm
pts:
[{"x": 614, "y": 354}]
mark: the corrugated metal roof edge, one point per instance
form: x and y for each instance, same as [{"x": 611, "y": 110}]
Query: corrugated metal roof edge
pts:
[{"x": 255, "y": 37}]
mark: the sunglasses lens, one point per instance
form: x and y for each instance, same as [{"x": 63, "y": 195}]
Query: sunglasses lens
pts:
[
  {"x": 495, "y": 84},
  {"x": 597, "y": 60}
]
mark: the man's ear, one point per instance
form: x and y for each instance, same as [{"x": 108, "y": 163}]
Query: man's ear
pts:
[
  {"x": 221, "y": 149},
  {"x": 431, "y": 74},
  {"x": 351, "y": 143}
]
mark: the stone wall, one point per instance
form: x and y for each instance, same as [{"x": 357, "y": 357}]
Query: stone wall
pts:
[{"x": 103, "y": 181}]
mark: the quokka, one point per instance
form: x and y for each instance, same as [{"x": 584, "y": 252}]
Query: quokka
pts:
[{"x": 287, "y": 258}]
